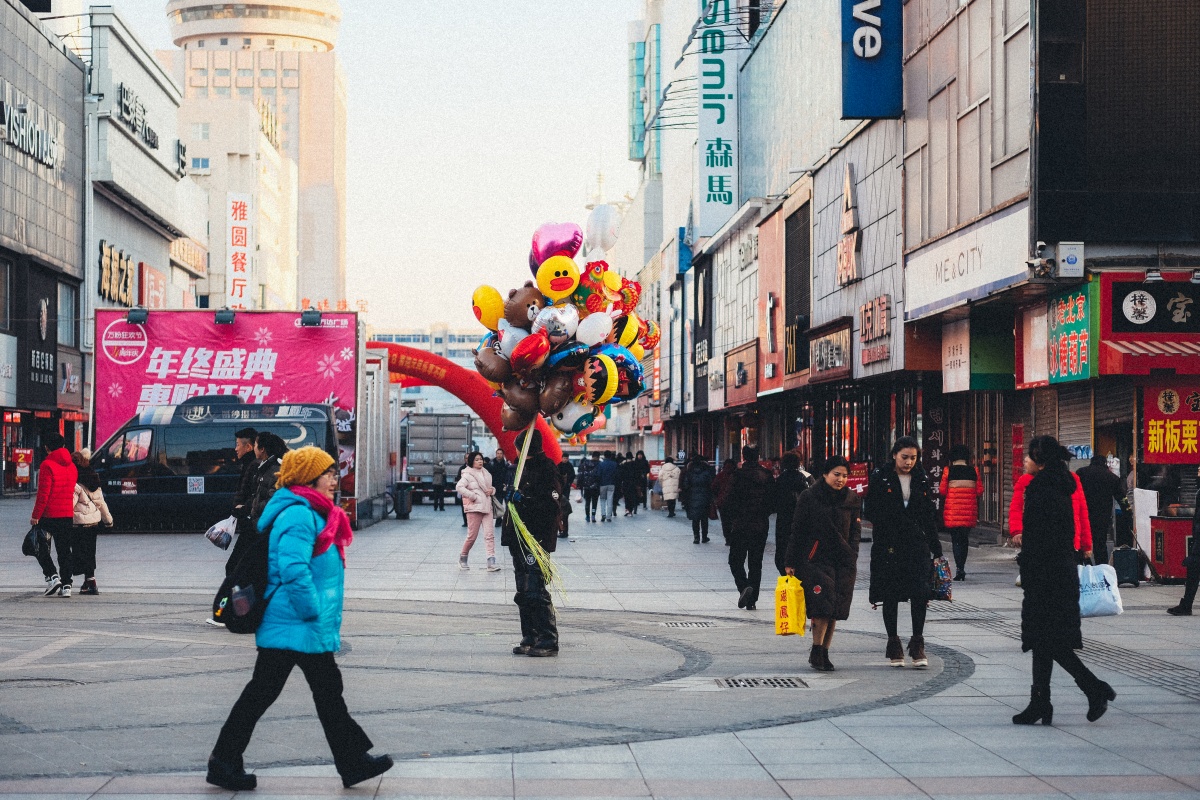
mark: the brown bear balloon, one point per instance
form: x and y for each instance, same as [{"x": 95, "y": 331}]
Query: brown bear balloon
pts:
[
  {"x": 556, "y": 393},
  {"x": 523, "y": 305},
  {"x": 521, "y": 395},
  {"x": 490, "y": 364}
]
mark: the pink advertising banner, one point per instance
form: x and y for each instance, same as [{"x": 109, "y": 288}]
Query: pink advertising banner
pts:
[{"x": 263, "y": 357}]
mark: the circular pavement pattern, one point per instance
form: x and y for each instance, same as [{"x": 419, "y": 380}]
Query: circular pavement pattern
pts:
[{"x": 121, "y": 684}]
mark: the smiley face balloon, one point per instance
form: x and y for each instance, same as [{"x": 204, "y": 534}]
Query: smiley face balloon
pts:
[{"x": 558, "y": 278}]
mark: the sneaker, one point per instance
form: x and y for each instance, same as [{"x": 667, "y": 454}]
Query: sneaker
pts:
[
  {"x": 462, "y": 563},
  {"x": 65, "y": 591},
  {"x": 90, "y": 587},
  {"x": 916, "y": 651},
  {"x": 542, "y": 652},
  {"x": 522, "y": 649},
  {"x": 216, "y": 623},
  {"x": 53, "y": 584},
  {"x": 895, "y": 651},
  {"x": 1017, "y": 582},
  {"x": 492, "y": 566},
  {"x": 1179, "y": 611}
]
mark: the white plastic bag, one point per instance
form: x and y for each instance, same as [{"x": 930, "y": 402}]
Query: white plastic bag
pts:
[
  {"x": 1098, "y": 592},
  {"x": 221, "y": 534}
]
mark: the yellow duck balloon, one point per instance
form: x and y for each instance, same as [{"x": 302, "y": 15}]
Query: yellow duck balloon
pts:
[{"x": 558, "y": 278}]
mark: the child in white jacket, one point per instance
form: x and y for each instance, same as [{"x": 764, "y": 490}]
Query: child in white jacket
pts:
[{"x": 90, "y": 512}]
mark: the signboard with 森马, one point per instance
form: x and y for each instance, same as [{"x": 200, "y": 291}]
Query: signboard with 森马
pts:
[
  {"x": 717, "y": 137},
  {"x": 1171, "y": 433},
  {"x": 872, "y": 59}
]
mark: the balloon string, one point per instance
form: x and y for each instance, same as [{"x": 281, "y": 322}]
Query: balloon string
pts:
[{"x": 548, "y": 569}]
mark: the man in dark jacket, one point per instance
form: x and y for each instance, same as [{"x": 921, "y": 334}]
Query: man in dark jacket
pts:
[
  {"x": 537, "y": 502},
  {"x": 1101, "y": 488},
  {"x": 607, "y": 471},
  {"x": 54, "y": 511},
  {"x": 792, "y": 481},
  {"x": 748, "y": 506},
  {"x": 1192, "y": 562},
  {"x": 589, "y": 483},
  {"x": 248, "y": 464},
  {"x": 502, "y": 473}
]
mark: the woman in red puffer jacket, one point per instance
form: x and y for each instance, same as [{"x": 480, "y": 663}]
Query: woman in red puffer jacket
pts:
[{"x": 960, "y": 491}]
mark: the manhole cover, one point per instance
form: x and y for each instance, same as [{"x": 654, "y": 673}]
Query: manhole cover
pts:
[
  {"x": 36, "y": 683},
  {"x": 761, "y": 683},
  {"x": 688, "y": 624}
]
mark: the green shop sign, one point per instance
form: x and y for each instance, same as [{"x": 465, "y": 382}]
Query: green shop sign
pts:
[{"x": 1072, "y": 334}]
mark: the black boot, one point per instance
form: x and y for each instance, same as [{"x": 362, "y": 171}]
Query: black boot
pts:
[
  {"x": 229, "y": 775},
  {"x": 814, "y": 657},
  {"x": 1098, "y": 694},
  {"x": 1039, "y": 708},
  {"x": 826, "y": 664},
  {"x": 369, "y": 767}
]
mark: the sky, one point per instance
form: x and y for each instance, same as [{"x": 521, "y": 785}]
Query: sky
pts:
[{"x": 470, "y": 123}]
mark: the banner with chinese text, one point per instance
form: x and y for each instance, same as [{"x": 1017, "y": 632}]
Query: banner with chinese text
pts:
[
  {"x": 717, "y": 142},
  {"x": 1072, "y": 334},
  {"x": 263, "y": 357},
  {"x": 1171, "y": 424},
  {"x": 238, "y": 293}
]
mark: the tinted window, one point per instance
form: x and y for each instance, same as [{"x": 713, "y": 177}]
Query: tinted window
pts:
[
  {"x": 130, "y": 448},
  {"x": 207, "y": 449}
]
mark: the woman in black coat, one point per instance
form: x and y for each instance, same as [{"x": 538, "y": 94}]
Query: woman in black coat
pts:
[
  {"x": 1050, "y": 581},
  {"x": 823, "y": 550},
  {"x": 696, "y": 489},
  {"x": 630, "y": 476},
  {"x": 902, "y": 511}
]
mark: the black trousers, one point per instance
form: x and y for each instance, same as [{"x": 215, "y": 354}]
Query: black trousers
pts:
[
  {"x": 960, "y": 543},
  {"x": 1043, "y": 666},
  {"x": 439, "y": 497},
  {"x": 671, "y": 507},
  {"x": 746, "y": 546},
  {"x": 62, "y": 530},
  {"x": 346, "y": 739},
  {"x": 891, "y": 616},
  {"x": 700, "y": 528},
  {"x": 591, "y": 499},
  {"x": 539, "y": 623},
  {"x": 83, "y": 550}
]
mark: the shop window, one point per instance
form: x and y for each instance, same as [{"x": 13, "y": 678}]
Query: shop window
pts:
[
  {"x": 5, "y": 294},
  {"x": 68, "y": 297}
]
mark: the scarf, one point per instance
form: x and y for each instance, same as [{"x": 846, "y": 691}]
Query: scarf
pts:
[{"x": 337, "y": 523}]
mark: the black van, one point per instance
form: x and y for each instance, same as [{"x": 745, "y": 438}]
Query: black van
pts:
[{"x": 175, "y": 468}]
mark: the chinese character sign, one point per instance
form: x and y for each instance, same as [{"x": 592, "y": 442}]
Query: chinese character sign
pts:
[
  {"x": 239, "y": 293},
  {"x": 1071, "y": 336},
  {"x": 1172, "y": 424},
  {"x": 262, "y": 358},
  {"x": 717, "y": 143}
]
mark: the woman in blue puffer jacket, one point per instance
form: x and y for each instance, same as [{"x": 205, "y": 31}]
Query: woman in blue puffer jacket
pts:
[{"x": 302, "y": 623}]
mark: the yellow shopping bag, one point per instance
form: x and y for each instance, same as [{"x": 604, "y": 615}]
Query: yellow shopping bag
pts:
[{"x": 789, "y": 607}]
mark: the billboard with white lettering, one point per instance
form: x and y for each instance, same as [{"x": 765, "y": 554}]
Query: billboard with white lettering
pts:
[{"x": 872, "y": 59}]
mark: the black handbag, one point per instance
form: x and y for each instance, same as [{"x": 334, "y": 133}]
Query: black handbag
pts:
[{"x": 34, "y": 541}]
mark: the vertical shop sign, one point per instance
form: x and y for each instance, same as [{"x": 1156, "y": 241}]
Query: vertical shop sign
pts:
[
  {"x": 237, "y": 245},
  {"x": 871, "y": 59},
  {"x": 717, "y": 142},
  {"x": 1070, "y": 344},
  {"x": 956, "y": 356}
]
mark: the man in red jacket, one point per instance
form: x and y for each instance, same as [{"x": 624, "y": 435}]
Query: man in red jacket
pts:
[{"x": 55, "y": 509}]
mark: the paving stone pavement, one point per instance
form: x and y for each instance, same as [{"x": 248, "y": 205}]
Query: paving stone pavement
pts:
[{"x": 122, "y": 694}]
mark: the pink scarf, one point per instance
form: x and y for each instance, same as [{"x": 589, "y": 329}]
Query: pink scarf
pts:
[{"x": 337, "y": 523}]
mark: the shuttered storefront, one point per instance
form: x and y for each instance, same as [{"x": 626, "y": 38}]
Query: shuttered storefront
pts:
[
  {"x": 1113, "y": 402},
  {"x": 1045, "y": 413},
  {"x": 1075, "y": 419},
  {"x": 1018, "y": 409}
]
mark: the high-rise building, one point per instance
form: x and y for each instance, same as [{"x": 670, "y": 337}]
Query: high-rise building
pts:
[{"x": 281, "y": 54}]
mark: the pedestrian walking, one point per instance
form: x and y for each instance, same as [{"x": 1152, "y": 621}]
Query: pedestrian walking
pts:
[
  {"x": 960, "y": 489},
  {"x": 589, "y": 484},
  {"x": 54, "y": 511},
  {"x": 697, "y": 487},
  {"x": 791, "y": 483},
  {"x": 668, "y": 478},
  {"x": 502, "y": 473},
  {"x": 462, "y": 468},
  {"x": 643, "y": 470},
  {"x": 537, "y": 502},
  {"x": 632, "y": 481},
  {"x": 749, "y": 505},
  {"x": 904, "y": 543},
  {"x": 439, "y": 486},
  {"x": 1101, "y": 489},
  {"x": 823, "y": 551},
  {"x": 566, "y": 476},
  {"x": 619, "y": 486},
  {"x": 476, "y": 490},
  {"x": 243, "y": 501},
  {"x": 720, "y": 491},
  {"x": 302, "y": 623},
  {"x": 1050, "y": 625},
  {"x": 606, "y": 473},
  {"x": 1192, "y": 563},
  {"x": 90, "y": 512},
  {"x": 269, "y": 448}
]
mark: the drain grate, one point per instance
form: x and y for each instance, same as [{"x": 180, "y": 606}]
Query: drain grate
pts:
[
  {"x": 761, "y": 683},
  {"x": 688, "y": 624}
]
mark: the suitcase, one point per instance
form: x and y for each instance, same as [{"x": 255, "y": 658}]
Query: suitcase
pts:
[{"x": 1128, "y": 566}]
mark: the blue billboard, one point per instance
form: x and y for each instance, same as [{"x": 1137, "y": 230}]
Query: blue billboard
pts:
[{"x": 872, "y": 55}]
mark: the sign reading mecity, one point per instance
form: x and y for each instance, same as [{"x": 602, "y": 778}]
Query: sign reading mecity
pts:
[
  {"x": 872, "y": 59},
  {"x": 1172, "y": 424},
  {"x": 717, "y": 142},
  {"x": 263, "y": 357}
]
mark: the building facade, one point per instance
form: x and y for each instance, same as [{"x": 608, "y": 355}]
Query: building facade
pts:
[{"x": 281, "y": 55}]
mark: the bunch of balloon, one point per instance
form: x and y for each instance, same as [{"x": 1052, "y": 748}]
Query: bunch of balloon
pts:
[{"x": 569, "y": 342}]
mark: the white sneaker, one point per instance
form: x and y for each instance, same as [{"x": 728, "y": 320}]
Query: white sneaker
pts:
[
  {"x": 1017, "y": 582},
  {"x": 53, "y": 584},
  {"x": 216, "y": 623},
  {"x": 462, "y": 563},
  {"x": 64, "y": 591}
]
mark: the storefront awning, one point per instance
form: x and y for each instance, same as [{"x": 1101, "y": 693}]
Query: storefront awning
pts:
[{"x": 1138, "y": 358}]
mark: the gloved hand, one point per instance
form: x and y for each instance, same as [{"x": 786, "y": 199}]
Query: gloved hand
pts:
[{"x": 515, "y": 497}]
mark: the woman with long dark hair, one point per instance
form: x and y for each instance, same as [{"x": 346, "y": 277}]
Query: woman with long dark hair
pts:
[
  {"x": 904, "y": 543},
  {"x": 1050, "y": 624}
]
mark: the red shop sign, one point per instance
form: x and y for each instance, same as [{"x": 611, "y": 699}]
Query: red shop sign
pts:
[{"x": 1171, "y": 434}]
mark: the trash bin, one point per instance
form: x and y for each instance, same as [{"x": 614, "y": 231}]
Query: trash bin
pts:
[{"x": 403, "y": 494}]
